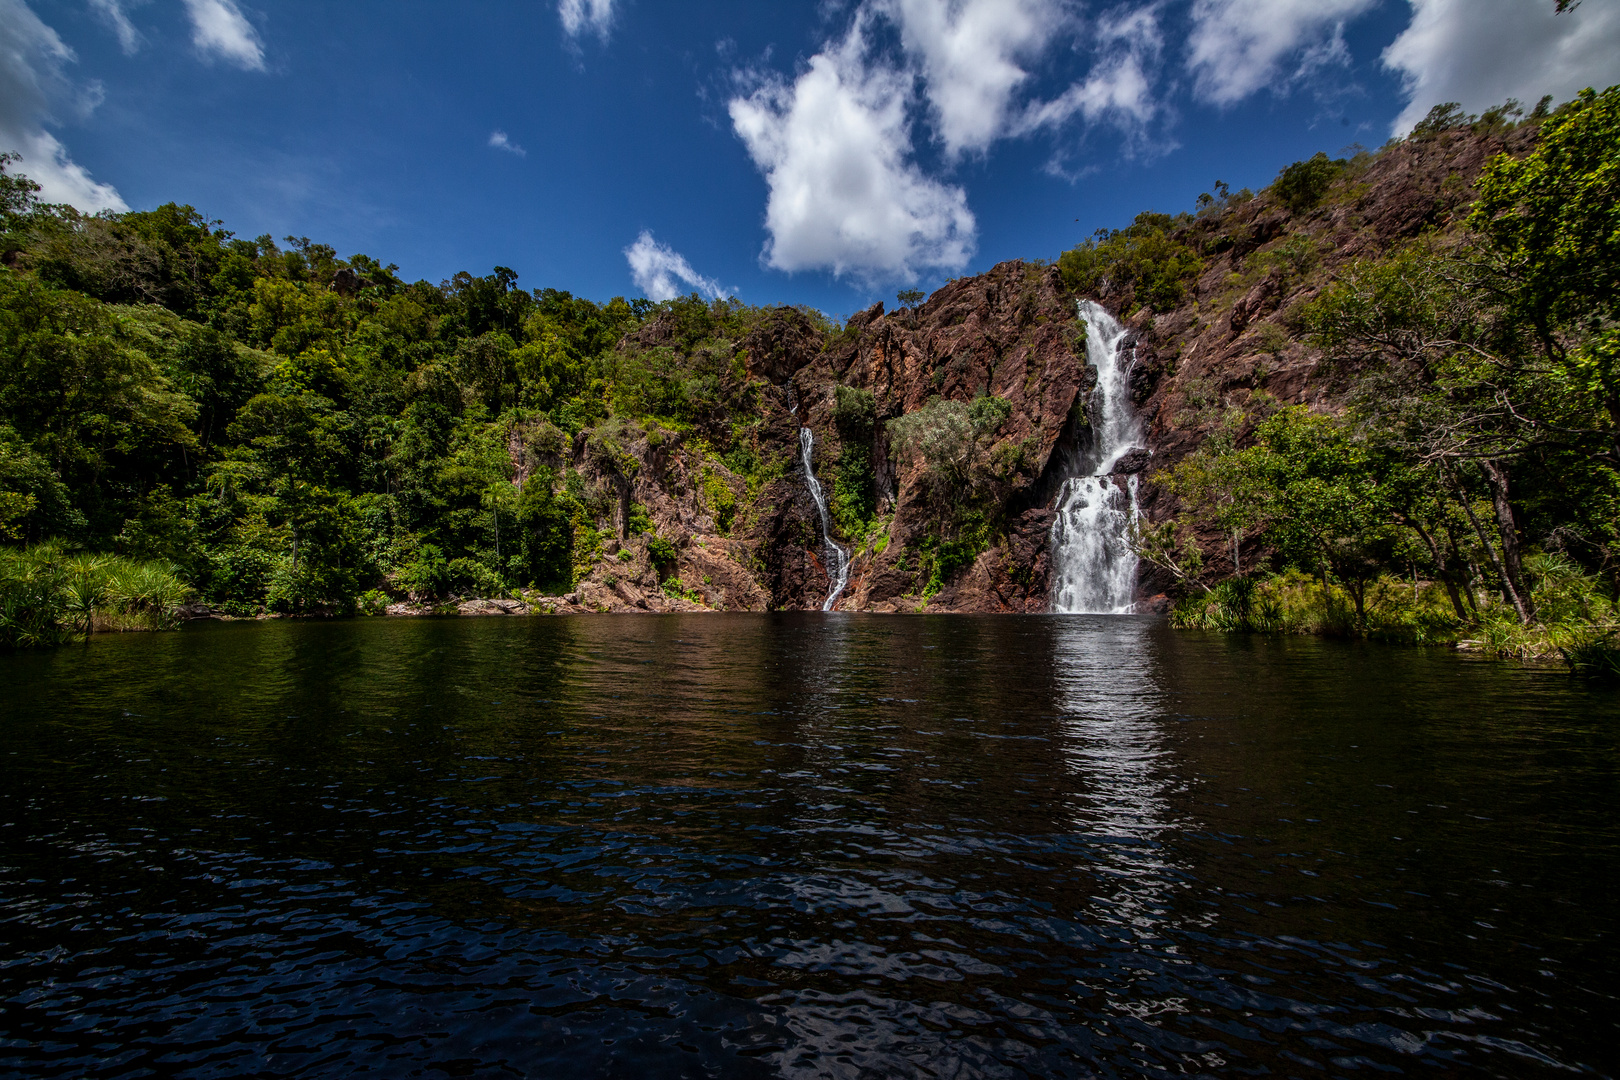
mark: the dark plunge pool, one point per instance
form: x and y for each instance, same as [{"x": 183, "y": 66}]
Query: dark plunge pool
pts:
[{"x": 800, "y": 845}]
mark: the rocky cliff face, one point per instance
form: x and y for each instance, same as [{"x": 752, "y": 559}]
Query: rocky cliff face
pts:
[
  {"x": 1010, "y": 334},
  {"x": 1239, "y": 331}
]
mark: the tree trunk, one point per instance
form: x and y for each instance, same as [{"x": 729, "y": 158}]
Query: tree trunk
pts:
[
  {"x": 1357, "y": 588},
  {"x": 1469, "y": 571},
  {"x": 1496, "y": 475},
  {"x": 1442, "y": 569},
  {"x": 1509, "y": 591}
]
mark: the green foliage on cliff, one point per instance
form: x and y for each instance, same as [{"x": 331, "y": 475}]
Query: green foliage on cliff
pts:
[
  {"x": 854, "y": 496},
  {"x": 1304, "y": 184},
  {"x": 1143, "y": 256},
  {"x": 855, "y": 410},
  {"x": 962, "y": 474},
  {"x": 942, "y": 557},
  {"x": 1480, "y": 447}
]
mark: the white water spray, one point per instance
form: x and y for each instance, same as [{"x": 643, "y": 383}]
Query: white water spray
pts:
[
  {"x": 837, "y": 557},
  {"x": 1093, "y": 564}
]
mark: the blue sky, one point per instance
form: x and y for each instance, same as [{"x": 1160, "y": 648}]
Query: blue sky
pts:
[{"x": 825, "y": 152}]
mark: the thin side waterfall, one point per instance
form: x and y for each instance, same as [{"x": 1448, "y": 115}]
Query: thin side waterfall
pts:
[
  {"x": 837, "y": 557},
  {"x": 1093, "y": 564}
]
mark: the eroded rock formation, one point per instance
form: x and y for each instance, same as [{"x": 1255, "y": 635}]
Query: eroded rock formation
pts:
[{"x": 1012, "y": 334}]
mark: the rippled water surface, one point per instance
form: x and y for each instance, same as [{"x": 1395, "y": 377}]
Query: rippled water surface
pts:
[{"x": 800, "y": 845}]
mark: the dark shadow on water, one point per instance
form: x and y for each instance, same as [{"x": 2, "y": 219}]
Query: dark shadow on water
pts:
[{"x": 801, "y": 845}]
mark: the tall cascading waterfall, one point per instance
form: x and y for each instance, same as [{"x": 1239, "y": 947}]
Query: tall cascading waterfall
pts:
[
  {"x": 1093, "y": 563},
  {"x": 837, "y": 557}
]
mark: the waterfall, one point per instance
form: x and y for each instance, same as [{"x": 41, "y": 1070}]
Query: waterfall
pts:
[
  {"x": 837, "y": 557},
  {"x": 1093, "y": 564}
]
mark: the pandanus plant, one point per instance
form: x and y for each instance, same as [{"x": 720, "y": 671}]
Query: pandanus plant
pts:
[
  {"x": 84, "y": 590},
  {"x": 31, "y": 581},
  {"x": 150, "y": 592}
]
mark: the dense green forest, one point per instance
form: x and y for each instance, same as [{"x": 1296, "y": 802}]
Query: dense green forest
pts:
[
  {"x": 264, "y": 426},
  {"x": 287, "y": 428}
]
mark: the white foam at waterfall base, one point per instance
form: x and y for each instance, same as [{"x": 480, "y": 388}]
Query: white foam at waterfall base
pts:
[
  {"x": 837, "y": 557},
  {"x": 1093, "y": 563}
]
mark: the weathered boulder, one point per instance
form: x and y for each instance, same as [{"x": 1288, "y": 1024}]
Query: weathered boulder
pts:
[
  {"x": 492, "y": 607},
  {"x": 781, "y": 345},
  {"x": 1133, "y": 461}
]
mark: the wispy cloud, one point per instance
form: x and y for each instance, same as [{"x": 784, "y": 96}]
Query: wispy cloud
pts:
[
  {"x": 115, "y": 15},
  {"x": 1482, "y": 52},
  {"x": 219, "y": 29},
  {"x": 586, "y": 17},
  {"x": 1120, "y": 87},
  {"x": 1238, "y": 47},
  {"x": 500, "y": 141},
  {"x": 32, "y": 77},
  {"x": 663, "y": 273},
  {"x": 835, "y": 148}
]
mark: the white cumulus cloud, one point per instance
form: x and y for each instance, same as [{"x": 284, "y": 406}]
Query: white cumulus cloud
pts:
[
  {"x": 218, "y": 28},
  {"x": 586, "y": 16},
  {"x": 973, "y": 56},
  {"x": 32, "y": 59},
  {"x": 1479, "y": 53},
  {"x": 1240, "y": 46},
  {"x": 835, "y": 146},
  {"x": 663, "y": 273},
  {"x": 500, "y": 141},
  {"x": 113, "y": 14}
]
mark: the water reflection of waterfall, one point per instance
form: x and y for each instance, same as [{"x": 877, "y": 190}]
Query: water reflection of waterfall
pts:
[
  {"x": 837, "y": 557},
  {"x": 1108, "y": 688},
  {"x": 1093, "y": 563}
]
